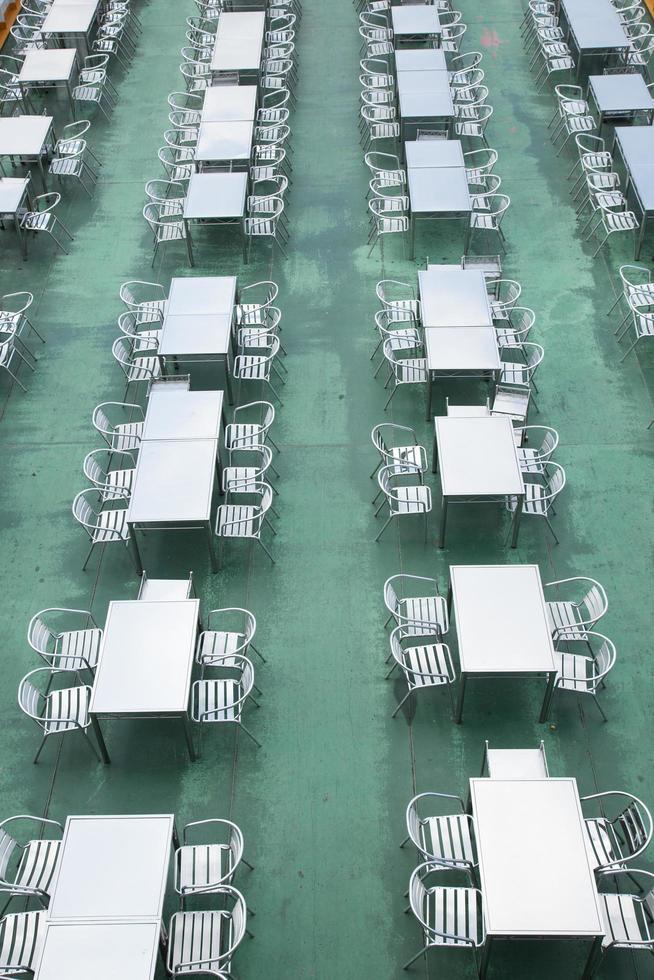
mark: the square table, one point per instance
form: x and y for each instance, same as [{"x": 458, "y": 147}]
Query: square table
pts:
[
  {"x": 146, "y": 657},
  {"x": 536, "y": 877},
  {"x": 438, "y": 193},
  {"x": 594, "y": 28},
  {"x": 420, "y": 59},
  {"x": 225, "y": 141},
  {"x": 478, "y": 460},
  {"x": 102, "y": 950},
  {"x": 112, "y": 867},
  {"x": 236, "y": 54},
  {"x": 636, "y": 147},
  {"x": 173, "y": 488},
  {"x": 14, "y": 191},
  {"x": 502, "y": 625},
  {"x": 454, "y": 352},
  {"x": 198, "y": 337},
  {"x": 620, "y": 95},
  {"x": 416, "y": 21},
  {"x": 26, "y": 137},
  {"x": 216, "y": 196},
  {"x": 49, "y": 68},
  {"x": 201, "y": 294},
  {"x": 225, "y": 103},
  {"x": 454, "y": 297},
  {"x": 424, "y": 95},
  {"x": 178, "y": 414},
  {"x": 241, "y": 24},
  {"x": 70, "y": 19},
  {"x": 434, "y": 153}
]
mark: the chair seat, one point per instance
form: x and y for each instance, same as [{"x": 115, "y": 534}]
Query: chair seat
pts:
[
  {"x": 604, "y": 848},
  {"x": 387, "y": 225},
  {"x": 415, "y": 455},
  {"x": 201, "y": 938},
  {"x": 87, "y": 93},
  {"x": 77, "y": 648},
  {"x": 252, "y": 367},
  {"x": 218, "y": 643},
  {"x": 456, "y": 911},
  {"x": 536, "y": 500},
  {"x": 37, "y": 220},
  {"x": 22, "y": 939},
  {"x": 240, "y": 478},
  {"x": 67, "y": 166},
  {"x": 514, "y": 373},
  {"x": 199, "y": 866},
  {"x": 240, "y": 435},
  {"x": 448, "y": 837},
  {"x": 623, "y": 920},
  {"x": 66, "y": 710},
  {"x": 143, "y": 368},
  {"x": 483, "y": 220},
  {"x": 127, "y": 436},
  {"x": 111, "y": 526},
  {"x": 644, "y": 324},
  {"x": 468, "y": 127},
  {"x": 425, "y": 609},
  {"x": 37, "y": 865},
  {"x": 170, "y": 230},
  {"x": 580, "y": 124},
  {"x": 574, "y": 672},
  {"x": 411, "y": 500},
  {"x": 254, "y": 337},
  {"x": 218, "y": 696},
  {"x": 530, "y": 460},
  {"x": 411, "y": 370},
  {"x": 620, "y": 221},
  {"x": 405, "y": 338},
  {"x": 116, "y": 482},
  {"x": 430, "y": 660},
  {"x": 238, "y": 521}
]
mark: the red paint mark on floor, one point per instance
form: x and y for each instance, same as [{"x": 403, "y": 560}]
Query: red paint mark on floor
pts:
[{"x": 491, "y": 39}]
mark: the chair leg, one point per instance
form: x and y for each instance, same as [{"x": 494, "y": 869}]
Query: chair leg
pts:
[
  {"x": 87, "y": 557},
  {"x": 551, "y": 529},
  {"x": 266, "y": 550},
  {"x": 599, "y": 707},
  {"x": 248, "y": 732},
  {"x": 36, "y": 757},
  {"x": 407, "y": 695},
  {"x": 390, "y": 396},
  {"x": 390, "y": 518}
]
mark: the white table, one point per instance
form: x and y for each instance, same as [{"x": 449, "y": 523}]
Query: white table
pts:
[
  {"x": 112, "y": 867},
  {"x": 216, "y": 197},
  {"x": 536, "y": 876},
  {"x": 26, "y": 137},
  {"x": 438, "y": 193},
  {"x": 420, "y": 59},
  {"x": 239, "y": 41},
  {"x": 101, "y": 950},
  {"x": 14, "y": 192},
  {"x": 415, "y": 22},
  {"x": 502, "y": 625},
  {"x": 478, "y": 461},
  {"x": 454, "y": 297},
  {"x": 434, "y": 153},
  {"x": 173, "y": 489},
  {"x": 49, "y": 68},
  {"x": 224, "y": 141},
  {"x": 201, "y": 294},
  {"x": 424, "y": 97},
  {"x": 635, "y": 144},
  {"x": 227, "y": 103},
  {"x": 620, "y": 95},
  {"x": 594, "y": 27},
  {"x": 177, "y": 414},
  {"x": 146, "y": 657},
  {"x": 71, "y": 18}
]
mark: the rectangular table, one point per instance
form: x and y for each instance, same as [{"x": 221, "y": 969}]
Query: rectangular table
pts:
[
  {"x": 620, "y": 95},
  {"x": 112, "y": 867},
  {"x": 416, "y": 22},
  {"x": 424, "y": 96},
  {"x": 478, "y": 461},
  {"x": 635, "y": 145},
  {"x": 227, "y": 141},
  {"x": 67, "y": 19},
  {"x": 146, "y": 657},
  {"x": 227, "y": 103},
  {"x": 434, "y": 153},
  {"x": 502, "y": 625},
  {"x": 101, "y": 950},
  {"x": 420, "y": 59},
  {"x": 201, "y": 294},
  {"x": 454, "y": 297},
  {"x": 594, "y": 28},
  {"x": 14, "y": 193},
  {"x": 178, "y": 414},
  {"x": 173, "y": 489},
  {"x": 438, "y": 193},
  {"x": 536, "y": 877},
  {"x": 239, "y": 42},
  {"x": 50, "y": 68},
  {"x": 216, "y": 197},
  {"x": 27, "y": 137}
]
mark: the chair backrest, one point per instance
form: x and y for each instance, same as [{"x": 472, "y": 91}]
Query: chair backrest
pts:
[
  {"x": 30, "y": 699},
  {"x": 635, "y": 823},
  {"x": 391, "y": 598},
  {"x": 83, "y": 512},
  {"x": 133, "y": 295},
  {"x": 40, "y": 637},
  {"x": 522, "y": 319},
  {"x": 594, "y": 603},
  {"x": 555, "y": 479},
  {"x": 605, "y": 657}
]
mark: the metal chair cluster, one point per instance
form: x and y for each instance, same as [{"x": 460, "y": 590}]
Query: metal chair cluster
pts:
[
  {"x": 15, "y": 328},
  {"x": 636, "y": 298}
]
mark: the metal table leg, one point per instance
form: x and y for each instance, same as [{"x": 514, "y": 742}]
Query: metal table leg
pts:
[
  {"x": 434, "y": 455},
  {"x": 135, "y": 549},
  {"x": 593, "y": 959},
  {"x": 547, "y": 700},
  {"x": 22, "y": 239},
  {"x": 101, "y": 744},
  {"x": 228, "y": 380},
  {"x": 638, "y": 244},
  {"x": 516, "y": 521},
  {"x": 441, "y": 533},
  {"x": 462, "y": 693},
  {"x": 188, "y": 735},
  {"x": 430, "y": 381},
  {"x": 212, "y": 551},
  {"x": 413, "y": 235},
  {"x": 485, "y": 957}
]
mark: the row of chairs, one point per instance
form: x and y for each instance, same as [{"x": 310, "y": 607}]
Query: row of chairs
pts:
[{"x": 637, "y": 297}]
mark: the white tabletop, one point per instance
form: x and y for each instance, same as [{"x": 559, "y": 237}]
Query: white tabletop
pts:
[
  {"x": 434, "y": 153},
  {"x": 501, "y": 619},
  {"x": 536, "y": 876},
  {"x": 454, "y": 297},
  {"x": 419, "y": 103},
  {"x": 176, "y": 414},
  {"x": 227, "y": 140},
  {"x": 146, "y": 656},
  {"x": 195, "y": 334},
  {"x": 415, "y": 19},
  {"x": 438, "y": 190},
  {"x": 462, "y": 349},
  {"x": 48, "y": 65},
  {"x": 69, "y": 18},
  {"x": 236, "y": 54},
  {"x": 420, "y": 59},
  {"x": 216, "y": 195},
  {"x": 621, "y": 93},
  {"x": 201, "y": 294},
  {"x": 23, "y": 135},
  {"x": 101, "y": 950},
  {"x": 477, "y": 457},
  {"x": 112, "y": 867},
  {"x": 229, "y": 102},
  {"x": 12, "y": 192},
  {"x": 173, "y": 483},
  {"x": 241, "y": 24}
]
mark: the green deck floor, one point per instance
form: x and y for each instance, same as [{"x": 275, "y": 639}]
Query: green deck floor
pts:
[{"x": 322, "y": 803}]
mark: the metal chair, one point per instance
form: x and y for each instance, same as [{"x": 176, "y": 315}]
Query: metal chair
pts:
[
  {"x": 236, "y": 519},
  {"x": 514, "y": 331},
  {"x": 167, "y": 227},
  {"x": 642, "y": 322},
  {"x": 28, "y": 857},
  {"x": 253, "y": 301},
  {"x": 512, "y": 401},
  {"x": 120, "y": 424},
  {"x": 13, "y": 314},
  {"x": 56, "y": 712},
  {"x": 620, "y": 832},
  {"x": 388, "y": 217},
  {"x": 250, "y": 426},
  {"x": 584, "y": 674},
  {"x": 515, "y": 763},
  {"x": 447, "y": 838},
  {"x": 165, "y": 589},
  {"x": 12, "y": 355},
  {"x": 627, "y": 918},
  {"x": 404, "y": 493},
  {"x": 103, "y": 525},
  {"x": 68, "y": 639},
  {"x": 398, "y": 446},
  {"x": 220, "y": 700},
  {"x": 403, "y": 370},
  {"x": 43, "y": 218},
  {"x": 204, "y": 942},
  {"x": 571, "y": 618},
  {"x": 503, "y": 296},
  {"x": 490, "y": 218},
  {"x": 401, "y": 338},
  {"x": 138, "y": 361},
  {"x": 424, "y": 665},
  {"x": 209, "y": 855},
  {"x": 541, "y": 493},
  {"x": 451, "y": 916},
  {"x": 21, "y": 940},
  {"x": 148, "y": 299},
  {"x": 113, "y": 484},
  {"x": 406, "y": 301},
  {"x": 473, "y": 125},
  {"x": 229, "y": 633},
  {"x": 131, "y": 324},
  {"x": 267, "y": 224},
  {"x": 519, "y": 364},
  {"x": 259, "y": 367},
  {"x": 532, "y": 458},
  {"x": 429, "y": 608}
]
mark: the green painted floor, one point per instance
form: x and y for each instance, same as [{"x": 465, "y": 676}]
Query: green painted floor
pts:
[{"x": 322, "y": 803}]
